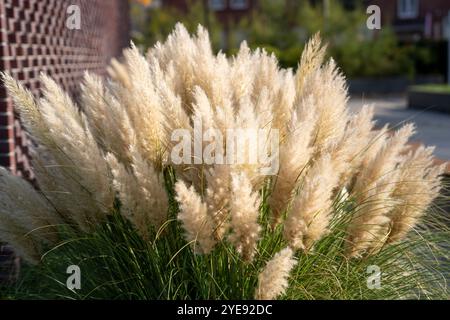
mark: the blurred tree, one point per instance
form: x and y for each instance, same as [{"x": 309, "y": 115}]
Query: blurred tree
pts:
[
  {"x": 282, "y": 26},
  {"x": 157, "y": 23}
]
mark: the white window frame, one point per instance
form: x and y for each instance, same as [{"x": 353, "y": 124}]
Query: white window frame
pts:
[
  {"x": 408, "y": 9},
  {"x": 238, "y": 4},
  {"x": 217, "y": 5}
]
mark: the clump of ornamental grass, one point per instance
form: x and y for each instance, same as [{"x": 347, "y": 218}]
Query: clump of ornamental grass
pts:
[{"x": 346, "y": 198}]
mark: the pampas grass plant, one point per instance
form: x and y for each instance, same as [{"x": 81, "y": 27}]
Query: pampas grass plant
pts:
[{"x": 109, "y": 198}]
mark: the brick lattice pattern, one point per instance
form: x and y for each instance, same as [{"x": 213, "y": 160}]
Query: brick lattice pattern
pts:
[{"x": 34, "y": 38}]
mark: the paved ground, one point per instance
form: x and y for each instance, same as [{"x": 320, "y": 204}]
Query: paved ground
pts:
[{"x": 433, "y": 128}]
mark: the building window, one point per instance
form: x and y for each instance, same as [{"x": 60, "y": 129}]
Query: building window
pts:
[
  {"x": 408, "y": 9},
  {"x": 238, "y": 4},
  {"x": 217, "y": 5}
]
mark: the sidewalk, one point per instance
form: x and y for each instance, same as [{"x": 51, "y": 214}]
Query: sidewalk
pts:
[{"x": 433, "y": 128}]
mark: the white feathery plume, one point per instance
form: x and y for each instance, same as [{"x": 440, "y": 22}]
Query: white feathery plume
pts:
[
  {"x": 283, "y": 99},
  {"x": 196, "y": 222},
  {"x": 419, "y": 184},
  {"x": 248, "y": 142},
  {"x": 312, "y": 58},
  {"x": 141, "y": 192},
  {"x": 28, "y": 207},
  {"x": 309, "y": 216},
  {"x": 27, "y": 219},
  {"x": 244, "y": 216},
  {"x": 77, "y": 153},
  {"x": 242, "y": 73},
  {"x": 385, "y": 160},
  {"x": 67, "y": 152},
  {"x": 152, "y": 188},
  {"x": 266, "y": 71},
  {"x": 107, "y": 118},
  {"x": 218, "y": 198},
  {"x": 274, "y": 279},
  {"x": 19, "y": 237},
  {"x": 294, "y": 155},
  {"x": 348, "y": 153},
  {"x": 373, "y": 192},
  {"x": 143, "y": 105},
  {"x": 119, "y": 73},
  {"x": 175, "y": 115},
  {"x": 328, "y": 88},
  {"x": 24, "y": 101}
]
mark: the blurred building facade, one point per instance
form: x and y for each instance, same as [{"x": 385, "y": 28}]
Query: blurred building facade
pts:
[
  {"x": 35, "y": 38},
  {"x": 225, "y": 10},
  {"x": 414, "y": 20}
]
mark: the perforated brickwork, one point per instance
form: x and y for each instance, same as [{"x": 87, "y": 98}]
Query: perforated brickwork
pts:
[{"x": 34, "y": 38}]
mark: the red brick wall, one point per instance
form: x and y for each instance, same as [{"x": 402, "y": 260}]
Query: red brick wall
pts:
[{"x": 34, "y": 38}]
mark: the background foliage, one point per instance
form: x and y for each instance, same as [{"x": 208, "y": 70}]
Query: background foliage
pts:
[{"x": 282, "y": 26}]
